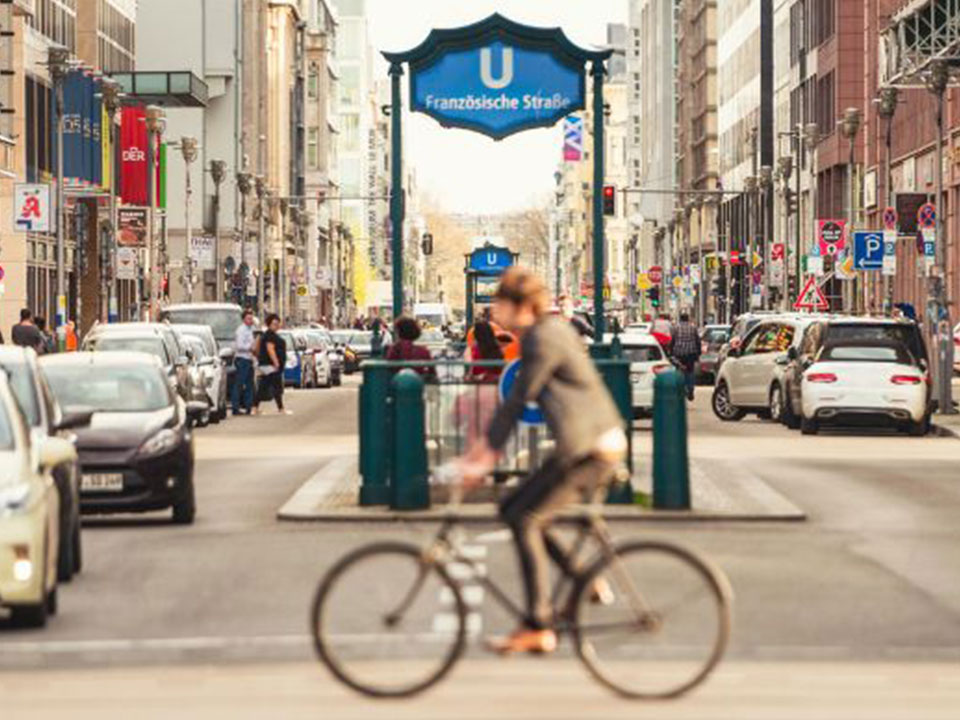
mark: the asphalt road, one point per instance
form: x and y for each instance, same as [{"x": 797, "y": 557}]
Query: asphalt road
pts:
[{"x": 870, "y": 584}]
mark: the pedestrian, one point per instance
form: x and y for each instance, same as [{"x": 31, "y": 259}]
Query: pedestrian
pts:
[
  {"x": 567, "y": 311},
  {"x": 49, "y": 344},
  {"x": 662, "y": 331},
  {"x": 241, "y": 395},
  {"x": 26, "y": 334},
  {"x": 589, "y": 437},
  {"x": 485, "y": 348},
  {"x": 686, "y": 351},
  {"x": 70, "y": 340},
  {"x": 272, "y": 359},
  {"x": 406, "y": 348}
]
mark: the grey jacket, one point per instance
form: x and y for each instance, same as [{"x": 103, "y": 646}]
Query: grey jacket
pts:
[{"x": 559, "y": 376}]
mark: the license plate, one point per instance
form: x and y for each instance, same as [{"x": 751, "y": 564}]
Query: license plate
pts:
[{"x": 102, "y": 482}]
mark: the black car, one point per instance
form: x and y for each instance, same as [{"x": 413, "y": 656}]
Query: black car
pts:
[{"x": 137, "y": 453}]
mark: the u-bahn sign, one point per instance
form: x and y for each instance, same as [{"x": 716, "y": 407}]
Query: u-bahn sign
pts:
[{"x": 497, "y": 77}]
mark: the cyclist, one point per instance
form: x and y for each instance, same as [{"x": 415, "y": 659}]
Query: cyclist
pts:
[{"x": 587, "y": 428}]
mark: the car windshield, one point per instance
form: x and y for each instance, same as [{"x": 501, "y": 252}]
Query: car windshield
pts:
[
  {"x": 716, "y": 336},
  {"x": 108, "y": 388},
  {"x": 316, "y": 339},
  {"x": 341, "y": 336},
  {"x": 886, "y": 333},
  {"x": 432, "y": 336},
  {"x": 151, "y": 345},
  {"x": 642, "y": 353},
  {"x": 24, "y": 390},
  {"x": 196, "y": 345},
  {"x": 203, "y": 338},
  {"x": 866, "y": 353},
  {"x": 361, "y": 338},
  {"x": 223, "y": 321}
]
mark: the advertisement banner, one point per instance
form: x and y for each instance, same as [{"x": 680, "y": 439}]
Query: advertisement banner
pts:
[
  {"x": 31, "y": 203},
  {"x": 126, "y": 263},
  {"x": 133, "y": 156},
  {"x": 573, "y": 139},
  {"x": 132, "y": 227},
  {"x": 201, "y": 252},
  {"x": 831, "y": 236}
]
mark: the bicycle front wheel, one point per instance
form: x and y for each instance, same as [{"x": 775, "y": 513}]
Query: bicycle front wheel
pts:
[
  {"x": 388, "y": 622},
  {"x": 664, "y": 626}
]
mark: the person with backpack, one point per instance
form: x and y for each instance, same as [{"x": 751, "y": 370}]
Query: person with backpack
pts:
[{"x": 685, "y": 348}]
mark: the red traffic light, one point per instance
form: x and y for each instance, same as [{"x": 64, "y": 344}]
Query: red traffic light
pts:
[
  {"x": 609, "y": 200},
  {"x": 608, "y": 190}
]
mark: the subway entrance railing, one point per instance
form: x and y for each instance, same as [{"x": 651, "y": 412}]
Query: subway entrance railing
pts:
[{"x": 415, "y": 416}]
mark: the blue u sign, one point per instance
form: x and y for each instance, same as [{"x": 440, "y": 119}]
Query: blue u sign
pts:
[
  {"x": 497, "y": 77},
  {"x": 490, "y": 260},
  {"x": 532, "y": 414},
  {"x": 868, "y": 250}
]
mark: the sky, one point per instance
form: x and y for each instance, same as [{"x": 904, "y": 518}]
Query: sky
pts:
[{"x": 461, "y": 170}]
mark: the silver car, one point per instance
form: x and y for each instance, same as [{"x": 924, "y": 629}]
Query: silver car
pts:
[{"x": 213, "y": 366}]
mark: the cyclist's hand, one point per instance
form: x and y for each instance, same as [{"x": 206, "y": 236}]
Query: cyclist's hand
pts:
[{"x": 477, "y": 464}]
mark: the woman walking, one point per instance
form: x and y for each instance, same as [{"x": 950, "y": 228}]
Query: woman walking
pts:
[{"x": 272, "y": 358}]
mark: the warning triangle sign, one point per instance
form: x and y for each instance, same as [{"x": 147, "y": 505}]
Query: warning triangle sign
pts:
[{"x": 811, "y": 297}]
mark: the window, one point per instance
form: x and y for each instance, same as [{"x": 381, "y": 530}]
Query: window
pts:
[
  {"x": 825, "y": 106},
  {"x": 313, "y": 149},
  {"x": 313, "y": 82}
]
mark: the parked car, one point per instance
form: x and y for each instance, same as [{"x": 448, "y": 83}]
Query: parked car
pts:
[
  {"x": 223, "y": 319},
  {"x": 321, "y": 337},
  {"x": 29, "y": 515},
  {"x": 647, "y": 359},
  {"x": 743, "y": 324},
  {"x": 44, "y": 420},
  {"x": 712, "y": 339},
  {"x": 143, "y": 337},
  {"x": 638, "y": 328},
  {"x": 749, "y": 376},
  {"x": 786, "y": 395},
  {"x": 213, "y": 366},
  {"x": 300, "y": 370},
  {"x": 351, "y": 361},
  {"x": 200, "y": 377},
  {"x": 137, "y": 453},
  {"x": 315, "y": 359},
  {"x": 874, "y": 382}
]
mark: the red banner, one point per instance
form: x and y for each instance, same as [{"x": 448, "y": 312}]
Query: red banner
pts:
[{"x": 133, "y": 158}]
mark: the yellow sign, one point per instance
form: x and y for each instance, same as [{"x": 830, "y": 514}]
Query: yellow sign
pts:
[
  {"x": 757, "y": 260},
  {"x": 302, "y": 290},
  {"x": 678, "y": 282},
  {"x": 643, "y": 281}
]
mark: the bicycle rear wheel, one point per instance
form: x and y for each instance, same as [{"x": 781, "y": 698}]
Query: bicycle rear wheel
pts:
[
  {"x": 388, "y": 623},
  {"x": 666, "y": 628}
]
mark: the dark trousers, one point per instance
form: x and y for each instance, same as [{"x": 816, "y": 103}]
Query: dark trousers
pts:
[
  {"x": 241, "y": 395},
  {"x": 528, "y": 512},
  {"x": 271, "y": 387},
  {"x": 688, "y": 366}
]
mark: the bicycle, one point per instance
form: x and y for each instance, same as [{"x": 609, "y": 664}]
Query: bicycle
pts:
[{"x": 426, "y": 609}]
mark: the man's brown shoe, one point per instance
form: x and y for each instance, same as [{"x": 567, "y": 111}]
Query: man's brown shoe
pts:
[{"x": 532, "y": 641}]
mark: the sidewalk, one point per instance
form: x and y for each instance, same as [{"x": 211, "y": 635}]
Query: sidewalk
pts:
[
  {"x": 949, "y": 425},
  {"x": 720, "y": 491}
]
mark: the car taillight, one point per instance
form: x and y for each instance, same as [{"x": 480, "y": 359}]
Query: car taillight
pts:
[
  {"x": 657, "y": 369},
  {"x": 821, "y": 377},
  {"x": 906, "y": 379}
]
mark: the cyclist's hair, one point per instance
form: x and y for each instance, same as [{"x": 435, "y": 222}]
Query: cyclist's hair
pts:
[{"x": 522, "y": 287}]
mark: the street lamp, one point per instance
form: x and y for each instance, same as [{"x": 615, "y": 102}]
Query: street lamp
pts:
[
  {"x": 155, "y": 119},
  {"x": 58, "y": 63},
  {"x": 849, "y": 127},
  {"x": 750, "y": 186},
  {"x": 784, "y": 171},
  {"x": 188, "y": 148},
  {"x": 244, "y": 186},
  {"x": 811, "y": 140},
  {"x": 937, "y": 81},
  {"x": 218, "y": 173},
  {"x": 261, "y": 190},
  {"x": 766, "y": 186},
  {"x": 110, "y": 95}
]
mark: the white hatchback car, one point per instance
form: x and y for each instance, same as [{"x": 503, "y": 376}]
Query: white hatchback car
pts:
[
  {"x": 876, "y": 382},
  {"x": 646, "y": 361},
  {"x": 746, "y": 376},
  {"x": 29, "y": 515}
]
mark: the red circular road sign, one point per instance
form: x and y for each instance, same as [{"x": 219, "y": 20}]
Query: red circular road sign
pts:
[
  {"x": 655, "y": 274},
  {"x": 890, "y": 218},
  {"x": 927, "y": 215}
]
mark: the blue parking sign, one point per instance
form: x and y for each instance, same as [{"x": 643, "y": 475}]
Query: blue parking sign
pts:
[{"x": 868, "y": 250}]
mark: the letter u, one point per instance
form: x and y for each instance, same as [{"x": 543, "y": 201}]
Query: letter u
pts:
[{"x": 486, "y": 69}]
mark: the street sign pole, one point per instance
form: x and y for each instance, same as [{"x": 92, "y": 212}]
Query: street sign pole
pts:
[
  {"x": 396, "y": 188},
  {"x": 598, "y": 264}
]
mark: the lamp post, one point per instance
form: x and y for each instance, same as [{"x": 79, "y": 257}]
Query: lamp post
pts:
[
  {"x": 245, "y": 186},
  {"x": 218, "y": 173},
  {"x": 939, "y": 300},
  {"x": 188, "y": 148},
  {"x": 156, "y": 123},
  {"x": 810, "y": 134},
  {"x": 281, "y": 291},
  {"x": 784, "y": 171},
  {"x": 886, "y": 109},
  {"x": 750, "y": 186},
  {"x": 766, "y": 186},
  {"x": 261, "y": 190},
  {"x": 110, "y": 94},
  {"x": 849, "y": 127},
  {"x": 58, "y": 62}
]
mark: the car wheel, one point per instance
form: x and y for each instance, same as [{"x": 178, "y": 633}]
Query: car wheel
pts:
[
  {"x": 185, "y": 509},
  {"x": 722, "y": 407},
  {"x": 77, "y": 550},
  {"x": 790, "y": 418},
  {"x": 809, "y": 426},
  {"x": 65, "y": 559},
  {"x": 776, "y": 403},
  {"x": 919, "y": 428},
  {"x": 52, "y": 602}
]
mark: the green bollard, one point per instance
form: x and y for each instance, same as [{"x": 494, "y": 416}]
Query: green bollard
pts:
[
  {"x": 616, "y": 376},
  {"x": 374, "y": 434},
  {"x": 409, "y": 487},
  {"x": 671, "y": 464}
]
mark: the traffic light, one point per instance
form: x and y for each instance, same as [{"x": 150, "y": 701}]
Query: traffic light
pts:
[
  {"x": 653, "y": 295},
  {"x": 790, "y": 199},
  {"x": 720, "y": 285},
  {"x": 427, "y": 244},
  {"x": 609, "y": 200}
]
